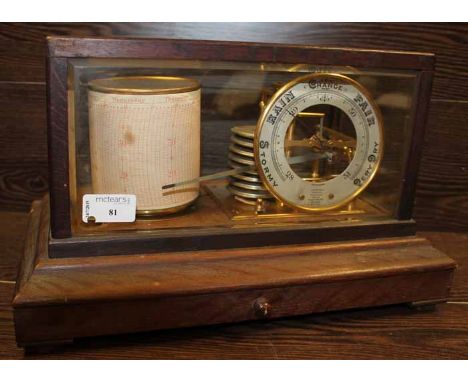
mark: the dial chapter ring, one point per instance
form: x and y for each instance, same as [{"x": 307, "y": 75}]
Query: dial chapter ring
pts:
[{"x": 373, "y": 124}]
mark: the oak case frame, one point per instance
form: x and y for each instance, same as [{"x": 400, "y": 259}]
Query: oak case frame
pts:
[
  {"x": 61, "y": 49},
  {"x": 79, "y": 294}
]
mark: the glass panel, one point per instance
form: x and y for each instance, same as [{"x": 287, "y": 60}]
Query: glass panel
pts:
[{"x": 115, "y": 142}]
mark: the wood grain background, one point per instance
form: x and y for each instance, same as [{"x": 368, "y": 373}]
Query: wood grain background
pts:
[{"x": 442, "y": 192}]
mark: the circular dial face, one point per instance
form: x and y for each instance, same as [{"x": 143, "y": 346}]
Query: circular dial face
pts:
[{"x": 318, "y": 142}]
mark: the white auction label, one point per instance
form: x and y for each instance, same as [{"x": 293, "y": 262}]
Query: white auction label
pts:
[{"x": 109, "y": 208}]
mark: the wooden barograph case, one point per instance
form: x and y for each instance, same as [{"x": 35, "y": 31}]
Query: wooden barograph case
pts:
[{"x": 202, "y": 182}]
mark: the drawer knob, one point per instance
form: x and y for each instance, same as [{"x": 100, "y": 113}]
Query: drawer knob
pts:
[{"x": 261, "y": 307}]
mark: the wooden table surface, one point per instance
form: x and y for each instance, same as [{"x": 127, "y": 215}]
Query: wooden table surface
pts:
[{"x": 395, "y": 332}]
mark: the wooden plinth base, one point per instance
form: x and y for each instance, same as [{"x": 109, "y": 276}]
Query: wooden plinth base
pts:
[{"x": 58, "y": 300}]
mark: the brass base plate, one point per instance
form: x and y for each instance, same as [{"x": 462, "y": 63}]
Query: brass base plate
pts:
[{"x": 273, "y": 212}]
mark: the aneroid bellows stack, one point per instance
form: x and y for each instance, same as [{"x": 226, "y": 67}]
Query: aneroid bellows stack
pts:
[{"x": 247, "y": 186}]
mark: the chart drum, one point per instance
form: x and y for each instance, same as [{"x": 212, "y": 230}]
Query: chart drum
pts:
[{"x": 144, "y": 133}]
